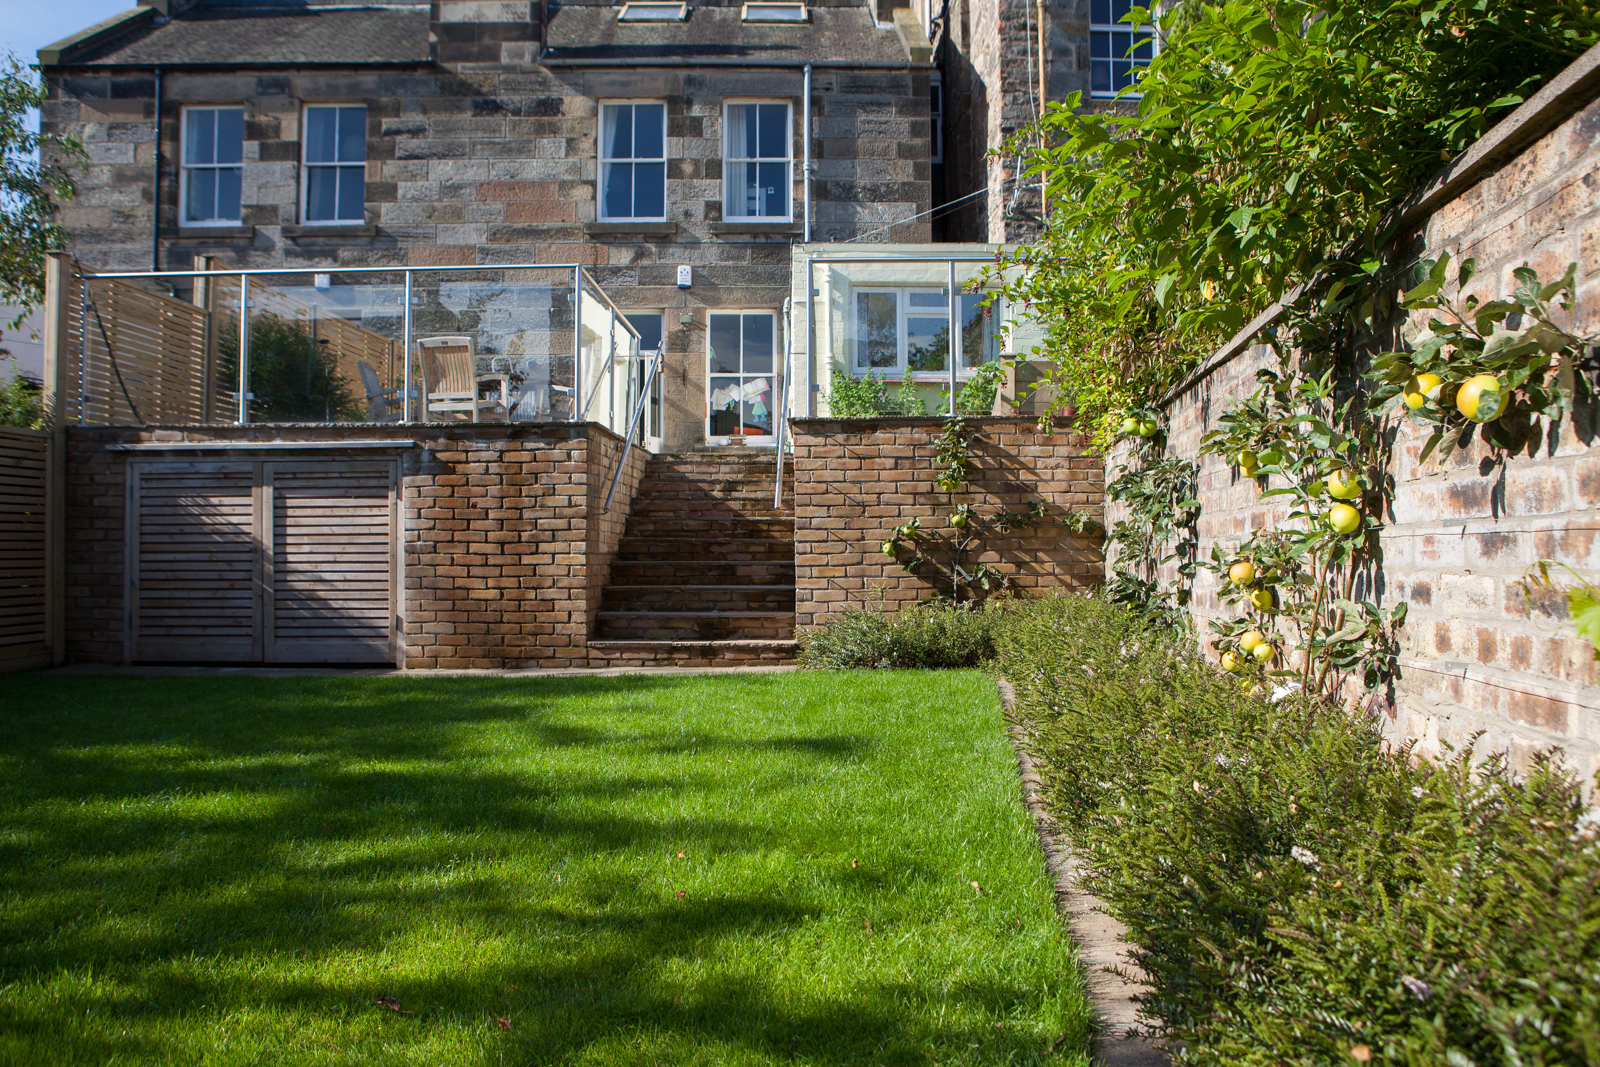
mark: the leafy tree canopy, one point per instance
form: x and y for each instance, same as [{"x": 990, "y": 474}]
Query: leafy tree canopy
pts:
[
  {"x": 1271, "y": 143},
  {"x": 33, "y": 179}
]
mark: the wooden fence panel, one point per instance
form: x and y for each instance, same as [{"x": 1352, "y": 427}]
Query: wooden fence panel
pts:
[
  {"x": 140, "y": 358},
  {"x": 24, "y": 549}
]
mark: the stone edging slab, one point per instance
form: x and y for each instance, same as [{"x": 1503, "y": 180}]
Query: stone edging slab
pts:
[{"x": 1098, "y": 934}]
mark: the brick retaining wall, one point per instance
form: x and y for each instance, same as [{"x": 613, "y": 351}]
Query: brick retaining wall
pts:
[
  {"x": 856, "y": 479},
  {"x": 505, "y": 547},
  {"x": 1463, "y": 532}
]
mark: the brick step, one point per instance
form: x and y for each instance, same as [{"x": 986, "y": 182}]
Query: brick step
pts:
[
  {"x": 694, "y": 625},
  {"x": 692, "y": 551},
  {"x": 705, "y": 508},
  {"x": 691, "y": 653},
  {"x": 744, "y": 494},
  {"x": 722, "y": 598},
  {"x": 776, "y": 529},
  {"x": 716, "y": 571}
]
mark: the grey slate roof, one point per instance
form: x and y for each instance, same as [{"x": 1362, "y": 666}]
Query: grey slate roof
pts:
[
  {"x": 839, "y": 35},
  {"x": 267, "y": 34}
]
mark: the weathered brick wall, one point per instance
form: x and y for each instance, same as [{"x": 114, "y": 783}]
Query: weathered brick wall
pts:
[
  {"x": 1474, "y": 656},
  {"x": 504, "y": 551},
  {"x": 857, "y": 479}
]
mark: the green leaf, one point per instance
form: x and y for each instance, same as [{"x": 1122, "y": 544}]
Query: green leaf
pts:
[{"x": 1584, "y": 608}]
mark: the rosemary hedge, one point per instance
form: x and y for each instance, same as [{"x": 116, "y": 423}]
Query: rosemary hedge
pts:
[
  {"x": 1297, "y": 892},
  {"x": 928, "y": 636}
]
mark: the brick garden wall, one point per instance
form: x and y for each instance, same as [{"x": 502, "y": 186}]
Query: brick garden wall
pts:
[
  {"x": 504, "y": 549},
  {"x": 1474, "y": 657},
  {"x": 856, "y": 479}
]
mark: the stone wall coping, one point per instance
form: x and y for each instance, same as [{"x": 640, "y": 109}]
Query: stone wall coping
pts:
[
  {"x": 832, "y": 424},
  {"x": 1560, "y": 98}
]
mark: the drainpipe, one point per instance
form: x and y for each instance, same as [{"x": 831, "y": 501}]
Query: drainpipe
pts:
[
  {"x": 155, "y": 187},
  {"x": 806, "y": 169}
]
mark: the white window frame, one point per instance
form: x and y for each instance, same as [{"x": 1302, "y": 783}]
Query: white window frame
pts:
[
  {"x": 184, "y": 167},
  {"x": 305, "y": 167},
  {"x": 600, "y": 205},
  {"x": 728, "y": 161},
  {"x": 1118, "y": 27},
  {"x": 780, "y": 11},
  {"x": 903, "y": 311},
  {"x": 776, "y": 374},
  {"x": 651, "y": 12}
]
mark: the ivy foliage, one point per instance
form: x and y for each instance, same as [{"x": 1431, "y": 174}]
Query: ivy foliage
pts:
[
  {"x": 34, "y": 177},
  {"x": 1270, "y": 146}
]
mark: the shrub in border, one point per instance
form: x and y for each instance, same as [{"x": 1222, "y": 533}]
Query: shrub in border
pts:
[{"x": 1297, "y": 892}]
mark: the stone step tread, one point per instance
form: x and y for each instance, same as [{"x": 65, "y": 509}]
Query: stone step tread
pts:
[
  {"x": 696, "y": 615},
  {"x": 741, "y": 586},
  {"x": 728, "y": 643}
]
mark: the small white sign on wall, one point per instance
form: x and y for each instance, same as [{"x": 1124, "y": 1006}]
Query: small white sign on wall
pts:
[{"x": 685, "y": 277}]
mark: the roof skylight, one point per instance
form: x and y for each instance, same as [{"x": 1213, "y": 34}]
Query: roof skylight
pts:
[
  {"x": 653, "y": 12},
  {"x": 767, "y": 11}
]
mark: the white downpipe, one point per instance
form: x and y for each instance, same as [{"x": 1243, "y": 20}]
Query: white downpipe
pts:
[
  {"x": 805, "y": 108},
  {"x": 244, "y": 349},
  {"x": 578, "y": 410}
]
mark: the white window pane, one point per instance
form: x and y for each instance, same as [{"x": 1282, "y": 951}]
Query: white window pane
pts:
[
  {"x": 649, "y": 190},
  {"x": 200, "y": 198},
  {"x": 616, "y": 191},
  {"x": 322, "y": 194},
  {"x": 352, "y": 194},
  {"x": 927, "y": 342},
  {"x": 230, "y": 134},
  {"x": 352, "y": 134},
  {"x": 619, "y": 135},
  {"x": 724, "y": 331},
  {"x": 877, "y": 331},
  {"x": 322, "y": 130},
  {"x": 773, "y": 124},
  {"x": 228, "y": 180},
  {"x": 200, "y": 140},
  {"x": 928, "y": 300},
  {"x": 757, "y": 344},
  {"x": 649, "y": 131}
]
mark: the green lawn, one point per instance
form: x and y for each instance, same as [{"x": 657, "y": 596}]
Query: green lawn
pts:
[{"x": 739, "y": 869}]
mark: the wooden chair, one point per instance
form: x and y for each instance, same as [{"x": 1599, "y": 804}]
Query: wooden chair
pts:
[
  {"x": 450, "y": 382},
  {"x": 383, "y": 405}
]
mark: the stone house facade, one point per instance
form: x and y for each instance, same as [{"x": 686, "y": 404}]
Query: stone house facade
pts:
[{"x": 479, "y": 131}]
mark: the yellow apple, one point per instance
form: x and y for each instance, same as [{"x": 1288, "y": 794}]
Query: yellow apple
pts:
[
  {"x": 1242, "y": 573},
  {"x": 1252, "y": 640},
  {"x": 1248, "y": 462},
  {"x": 1342, "y": 485},
  {"x": 1230, "y": 662},
  {"x": 1343, "y": 519},
  {"x": 1421, "y": 389},
  {"x": 1130, "y": 426},
  {"x": 1261, "y": 599},
  {"x": 1480, "y": 398},
  {"x": 1264, "y": 652},
  {"x": 1147, "y": 427}
]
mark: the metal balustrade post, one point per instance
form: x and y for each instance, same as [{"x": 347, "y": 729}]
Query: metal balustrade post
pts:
[
  {"x": 955, "y": 344},
  {"x": 244, "y": 349},
  {"x": 407, "y": 408}
]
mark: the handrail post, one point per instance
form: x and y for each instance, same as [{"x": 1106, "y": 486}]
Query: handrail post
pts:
[
  {"x": 955, "y": 327},
  {"x": 627, "y": 441},
  {"x": 407, "y": 408},
  {"x": 83, "y": 347},
  {"x": 783, "y": 403},
  {"x": 244, "y": 349},
  {"x": 578, "y": 409}
]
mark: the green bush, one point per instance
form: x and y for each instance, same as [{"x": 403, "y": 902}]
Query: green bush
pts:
[
  {"x": 923, "y": 636},
  {"x": 292, "y": 378},
  {"x": 1297, "y": 892},
  {"x": 21, "y": 403}
]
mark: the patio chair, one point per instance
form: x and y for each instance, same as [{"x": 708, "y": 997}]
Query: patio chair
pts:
[
  {"x": 383, "y": 405},
  {"x": 451, "y": 383}
]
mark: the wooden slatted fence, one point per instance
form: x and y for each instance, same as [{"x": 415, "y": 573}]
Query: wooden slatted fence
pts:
[
  {"x": 139, "y": 358},
  {"x": 24, "y": 549}
]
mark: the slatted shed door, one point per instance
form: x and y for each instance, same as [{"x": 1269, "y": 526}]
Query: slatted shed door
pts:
[
  {"x": 251, "y": 562},
  {"x": 332, "y": 552},
  {"x": 194, "y": 586},
  {"x": 24, "y": 497}
]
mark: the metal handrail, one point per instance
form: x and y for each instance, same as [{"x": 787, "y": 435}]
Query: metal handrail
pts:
[
  {"x": 633, "y": 423},
  {"x": 783, "y": 402}
]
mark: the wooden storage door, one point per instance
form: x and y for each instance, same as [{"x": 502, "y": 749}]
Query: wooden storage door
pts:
[
  {"x": 193, "y": 543},
  {"x": 332, "y": 596}
]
